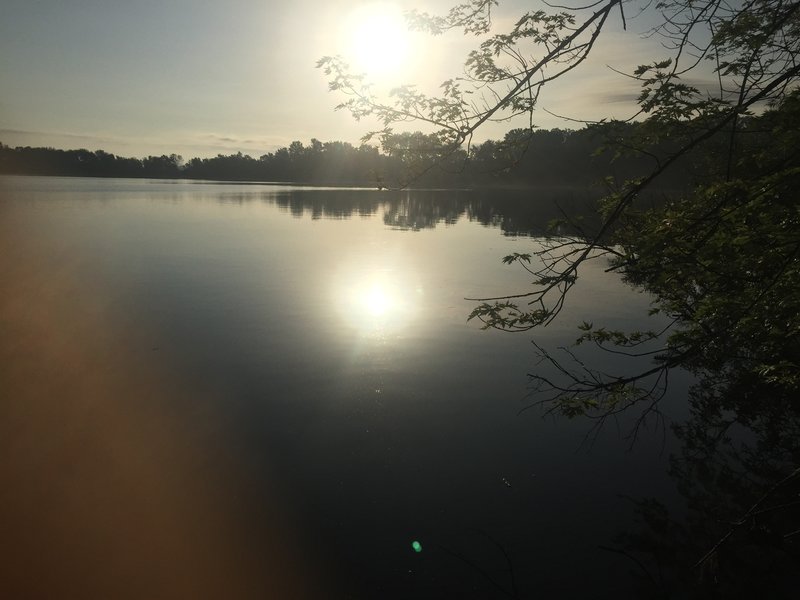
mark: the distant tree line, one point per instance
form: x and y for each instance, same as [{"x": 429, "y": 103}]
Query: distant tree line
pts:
[{"x": 553, "y": 158}]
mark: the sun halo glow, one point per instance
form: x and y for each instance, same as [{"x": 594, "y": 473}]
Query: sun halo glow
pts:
[{"x": 377, "y": 40}]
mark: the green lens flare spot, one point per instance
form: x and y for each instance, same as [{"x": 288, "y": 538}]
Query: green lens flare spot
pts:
[{"x": 416, "y": 546}]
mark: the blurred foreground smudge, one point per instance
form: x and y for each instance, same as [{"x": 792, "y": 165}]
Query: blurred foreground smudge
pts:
[{"x": 106, "y": 491}]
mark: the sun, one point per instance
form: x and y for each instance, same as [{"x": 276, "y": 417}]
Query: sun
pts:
[{"x": 377, "y": 40}]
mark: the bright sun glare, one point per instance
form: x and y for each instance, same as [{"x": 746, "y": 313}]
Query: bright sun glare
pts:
[
  {"x": 377, "y": 301},
  {"x": 377, "y": 39}
]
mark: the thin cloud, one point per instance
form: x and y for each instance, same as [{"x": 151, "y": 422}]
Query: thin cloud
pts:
[
  {"x": 618, "y": 97},
  {"x": 54, "y": 134}
]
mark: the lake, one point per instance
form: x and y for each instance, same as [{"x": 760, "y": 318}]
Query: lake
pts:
[{"x": 243, "y": 390}]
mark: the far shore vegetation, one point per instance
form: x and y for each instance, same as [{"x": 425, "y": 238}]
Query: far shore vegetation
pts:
[{"x": 548, "y": 158}]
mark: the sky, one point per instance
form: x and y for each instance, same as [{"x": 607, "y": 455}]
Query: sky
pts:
[{"x": 204, "y": 77}]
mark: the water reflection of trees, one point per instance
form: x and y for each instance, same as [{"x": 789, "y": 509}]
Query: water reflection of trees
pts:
[
  {"x": 425, "y": 210},
  {"x": 737, "y": 471},
  {"x": 327, "y": 204},
  {"x": 514, "y": 212}
]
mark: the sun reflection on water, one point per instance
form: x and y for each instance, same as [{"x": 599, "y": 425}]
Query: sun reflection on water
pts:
[{"x": 378, "y": 302}]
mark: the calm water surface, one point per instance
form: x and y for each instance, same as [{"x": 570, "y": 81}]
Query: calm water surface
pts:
[{"x": 302, "y": 358}]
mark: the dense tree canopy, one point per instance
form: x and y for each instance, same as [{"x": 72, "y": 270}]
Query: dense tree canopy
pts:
[
  {"x": 570, "y": 160},
  {"x": 330, "y": 162}
]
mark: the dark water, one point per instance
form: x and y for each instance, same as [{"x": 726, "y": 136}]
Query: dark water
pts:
[{"x": 320, "y": 376}]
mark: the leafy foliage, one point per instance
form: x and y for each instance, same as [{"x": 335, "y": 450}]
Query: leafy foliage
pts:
[
  {"x": 502, "y": 79},
  {"x": 721, "y": 260}
]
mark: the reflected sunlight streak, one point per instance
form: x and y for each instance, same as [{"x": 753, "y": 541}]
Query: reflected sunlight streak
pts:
[{"x": 376, "y": 303}]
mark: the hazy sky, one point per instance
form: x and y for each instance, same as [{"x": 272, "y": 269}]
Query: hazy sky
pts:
[{"x": 201, "y": 77}]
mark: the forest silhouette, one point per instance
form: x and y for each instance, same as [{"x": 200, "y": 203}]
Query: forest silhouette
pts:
[{"x": 550, "y": 158}]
